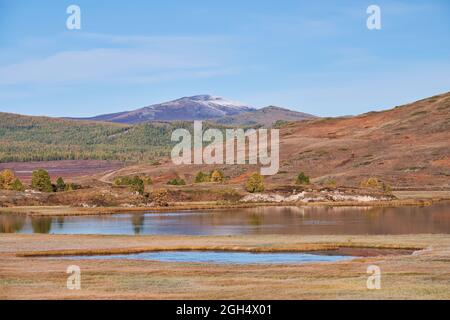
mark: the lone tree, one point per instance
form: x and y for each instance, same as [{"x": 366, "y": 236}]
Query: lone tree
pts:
[
  {"x": 40, "y": 181},
  {"x": 60, "y": 185},
  {"x": 302, "y": 178},
  {"x": 255, "y": 183}
]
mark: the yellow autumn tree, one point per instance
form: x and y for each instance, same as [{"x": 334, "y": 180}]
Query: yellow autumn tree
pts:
[
  {"x": 255, "y": 183},
  {"x": 8, "y": 181},
  {"x": 216, "y": 176},
  {"x": 7, "y": 178}
]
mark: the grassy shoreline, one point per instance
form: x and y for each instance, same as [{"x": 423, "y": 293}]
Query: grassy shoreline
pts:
[
  {"x": 422, "y": 275},
  {"x": 82, "y": 211}
]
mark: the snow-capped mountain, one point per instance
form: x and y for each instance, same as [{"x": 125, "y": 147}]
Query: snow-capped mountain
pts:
[{"x": 201, "y": 107}]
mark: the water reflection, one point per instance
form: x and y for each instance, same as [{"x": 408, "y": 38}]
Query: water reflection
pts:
[
  {"x": 11, "y": 223},
  {"x": 263, "y": 220},
  {"x": 138, "y": 223},
  {"x": 41, "y": 225}
]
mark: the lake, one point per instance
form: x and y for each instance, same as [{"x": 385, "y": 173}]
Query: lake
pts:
[
  {"x": 433, "y": 219},
  {"x": 221, "y": 257}
]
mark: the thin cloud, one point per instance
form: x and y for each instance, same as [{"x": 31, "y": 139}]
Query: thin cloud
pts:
[{"x": 145, "y": 58}]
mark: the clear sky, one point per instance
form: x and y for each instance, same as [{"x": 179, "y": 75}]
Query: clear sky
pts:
[{"x": 312, "y": 56}]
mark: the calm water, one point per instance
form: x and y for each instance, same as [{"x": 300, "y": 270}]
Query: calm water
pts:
[
  {"x": 223, "y": 257},
  {"x": 268, "y": 220}
]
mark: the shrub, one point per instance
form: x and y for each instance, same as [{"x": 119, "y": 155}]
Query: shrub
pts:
[
  {"x": 331, "y": 183},
  {"x": 255, "y": 183},
  {"x": 202, "y": 177},
  {"x": 60, "y": 184},
  {"x": 40, "y": 181},
  {"x": 17, "y": 185},
  {"x": 122, "y": 181},
  {"x": 371, "y": 183},
  {"x": 302, "y": 178},
  {"x": 386, "y": 187},
  {"x": 72, "y": 187},
  {"x": 176, "y": 182},
  {"x": 135, "y": 183},
  {"x": 148, "y": 181}
]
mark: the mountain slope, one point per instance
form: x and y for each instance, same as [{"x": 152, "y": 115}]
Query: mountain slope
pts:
[
  {"x": 202, "y": 107},
  {"x": 266, "y": 117},
  {"x": 404, "y": 146}
]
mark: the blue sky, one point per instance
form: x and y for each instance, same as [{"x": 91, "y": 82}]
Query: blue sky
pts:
[{"x": 311, "y": 56}]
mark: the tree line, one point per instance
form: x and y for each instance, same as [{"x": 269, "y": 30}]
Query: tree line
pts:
[{"x": 40, "y": 181}]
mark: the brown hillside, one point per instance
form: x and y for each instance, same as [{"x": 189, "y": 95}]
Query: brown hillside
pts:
[{"x": 407, "y": 146}]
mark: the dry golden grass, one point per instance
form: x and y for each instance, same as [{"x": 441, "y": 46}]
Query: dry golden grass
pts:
[
  {"x": 418, "y": 194},
  {"x": 422, "y": 275}
]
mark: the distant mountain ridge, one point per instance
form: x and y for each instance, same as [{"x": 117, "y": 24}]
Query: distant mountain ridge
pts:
[
  {"x": 204, "y": 107},
  {"x": 201, "y": 107},
  {"x": 267, "y": 117}
]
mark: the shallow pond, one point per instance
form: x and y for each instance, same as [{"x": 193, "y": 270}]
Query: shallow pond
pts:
[
  {"x": 262, "y": 220},
  {"x": 221, "y": 257}
]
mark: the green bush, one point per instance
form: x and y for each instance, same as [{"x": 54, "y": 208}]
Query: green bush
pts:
[
  {"x": 60, "y": 185},
  {"x": 135, "y": 183},
  {"x": 255, "y": 183},
  {"x": 302, "y": 178},
  {"x": 17, "y": 185},
  {"x": 202, "y": 177},
  {"x": 176, "y": 182}
]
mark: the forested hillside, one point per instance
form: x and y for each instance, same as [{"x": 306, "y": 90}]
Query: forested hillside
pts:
[{"x": 25, "y": 138}]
